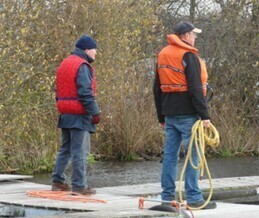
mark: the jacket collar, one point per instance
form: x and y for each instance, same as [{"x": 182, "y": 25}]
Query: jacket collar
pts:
[
  {"x": 81, "y": 53},
  {"x": 173, "y": 39}
]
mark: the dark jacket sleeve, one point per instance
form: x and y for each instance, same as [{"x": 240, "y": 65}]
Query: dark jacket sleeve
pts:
[
  {"x": 157, "y": 95},
  {"x": 85, "y": 91},
  {"x": 193, "y": 76}
]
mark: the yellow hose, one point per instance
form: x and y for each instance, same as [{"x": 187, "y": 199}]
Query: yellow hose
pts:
[{"x": 199, "y": 138}]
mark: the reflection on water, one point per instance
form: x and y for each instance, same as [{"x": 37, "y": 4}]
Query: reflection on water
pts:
[{"x": 111, "y": 173}]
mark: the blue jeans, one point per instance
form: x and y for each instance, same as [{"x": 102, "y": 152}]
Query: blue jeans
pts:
[
  {"x": 75, "y": 147},
  {"x": 177, "y": 130}
]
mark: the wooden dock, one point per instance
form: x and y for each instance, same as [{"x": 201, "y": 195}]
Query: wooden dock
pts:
[{"x": 122, "y": 201}]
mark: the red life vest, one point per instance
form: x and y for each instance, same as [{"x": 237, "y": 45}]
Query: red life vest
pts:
[
  {"x": 66, "y": 93},
  {"x": 170, "y": 67}
]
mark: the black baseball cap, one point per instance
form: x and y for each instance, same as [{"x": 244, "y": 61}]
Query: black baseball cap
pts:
[{"x": 185, "y": 27}]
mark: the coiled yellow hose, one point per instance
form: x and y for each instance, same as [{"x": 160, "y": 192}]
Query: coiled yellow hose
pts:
[{"x": 200, "y": 137}]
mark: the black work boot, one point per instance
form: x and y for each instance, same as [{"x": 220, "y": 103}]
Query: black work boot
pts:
[
  {"x": 210, "y": 205},
  {"x": 85, "y": 191},
  {"x": 58, "y": 186}
]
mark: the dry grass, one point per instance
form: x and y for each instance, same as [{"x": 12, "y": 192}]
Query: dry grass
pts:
[
  {"x": 238, "y": 133},
  {"x": 129, "y": 125}
]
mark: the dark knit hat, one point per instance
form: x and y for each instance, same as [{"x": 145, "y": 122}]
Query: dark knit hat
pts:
[
  {"x": 185, "y": 27},
  {"x": 86, "y": 42}
]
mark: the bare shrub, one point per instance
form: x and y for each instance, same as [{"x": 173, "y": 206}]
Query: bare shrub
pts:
[{"x": 129, "y": 126}]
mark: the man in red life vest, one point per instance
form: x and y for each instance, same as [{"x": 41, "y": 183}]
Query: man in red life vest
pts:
[
  {"x": 79, "y": 114},
  {"x": 179, "y": 91}
]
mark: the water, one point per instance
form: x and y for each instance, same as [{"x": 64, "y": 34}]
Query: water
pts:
[{"x": 114, "y": 173}]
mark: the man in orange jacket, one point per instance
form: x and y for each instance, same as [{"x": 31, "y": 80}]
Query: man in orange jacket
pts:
[{"x": 179, "y": 91}]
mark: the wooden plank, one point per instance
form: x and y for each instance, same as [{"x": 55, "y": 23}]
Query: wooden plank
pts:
[
  {"x": 6, "y": 177},
  {"x": 123, "y": 200},
  {"x": 10, "y": 187},
  {"x": 227, "y": 210},
  {"x": 155, "y": 188}
]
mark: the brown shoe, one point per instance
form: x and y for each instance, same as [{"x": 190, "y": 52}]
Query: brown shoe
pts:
[
  {"x": 86, "y": 191},
  {"x": 60, "y": 187}
]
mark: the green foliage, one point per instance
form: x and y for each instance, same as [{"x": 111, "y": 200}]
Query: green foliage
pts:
[
  {"x": 91, "y": 159},
  {"x": 129, "y": 157},
  {"x": 36, "y": 36},
  {"x": 226, "y": 153}
]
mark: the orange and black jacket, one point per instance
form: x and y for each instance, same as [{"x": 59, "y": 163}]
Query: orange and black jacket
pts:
[{"x": 180, "y": 81}]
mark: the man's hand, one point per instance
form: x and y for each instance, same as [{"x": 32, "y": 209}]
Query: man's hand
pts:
[
  {"x": 96, "y": 119},
  {"x": 206, "y": 123}
]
